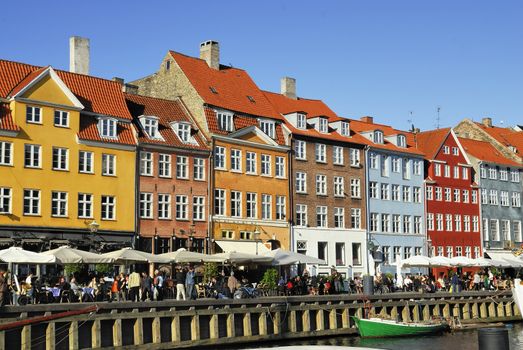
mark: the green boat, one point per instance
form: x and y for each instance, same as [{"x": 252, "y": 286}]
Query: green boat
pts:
[{"x": 378, "y": 327}]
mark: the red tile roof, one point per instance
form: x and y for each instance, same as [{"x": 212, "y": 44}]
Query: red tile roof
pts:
[
  {"x": 89, "y": 131},
  {"x": 6, "y": 118},
  {"x": 430, "y": 141},
  {"x": 98, "y": 95},
  {"x": 27, "y": 80},
  {"x": 233, "y": 87},
  {"x": 167, "y": 111},
  {"x": 285, "y": 105},
  {"x": 485, "y": 151},
  {"x": 241, "y": 121},
  {"x": 506, "y": 136}
]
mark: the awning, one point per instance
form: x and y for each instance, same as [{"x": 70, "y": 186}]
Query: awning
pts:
[
  {"x": 248, "y": 247},
  {"x": 505, "y": 255}
]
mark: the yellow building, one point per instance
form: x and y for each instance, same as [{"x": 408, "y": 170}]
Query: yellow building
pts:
[{"x": 67, "y": 159}]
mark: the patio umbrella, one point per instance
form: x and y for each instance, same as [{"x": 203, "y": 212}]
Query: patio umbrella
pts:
[
  {"x": 440, "y": 261},
  {"x": 461, "y": 261},
  {"x": 184, "y": 256},
  {"x": 417, "y": 261},
  {"x": 513, "y": 262},
  {"x": 18, "y": 255},
  {"x": 131, "y": 256},
  {"x": 68, "y": 255},
  {"x": 237, "y": 258},
  {"x": 284, "y": 257}
]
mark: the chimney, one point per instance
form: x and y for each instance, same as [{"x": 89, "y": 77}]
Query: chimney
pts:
[
  {"x": 367, "y": 119},
  {"x": 130, "y": 88},
  {"x": 79, "y": 55},
  {"x": 288, "y": 87},
  {"x": 210, "y": 52},
  {"x": 119, "y": 80},
  {"x": 487, "y": 122}
]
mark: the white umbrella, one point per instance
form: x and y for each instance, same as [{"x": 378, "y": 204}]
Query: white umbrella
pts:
[
  {"x": 18, "y": 255},
  {"x": 491, "y": 262},
  {"x": 184, "y": 256},
  {"x": 68, "y": 255},
  {"x": 284, "y": 257},
  {"x": 242, "y": 258},
  {"x": 513, "y": 262},
  {"x": 461, "y": 261},
  {"x": 417, "y": 261},
  {"x": 129, "y": 255},
  {"x": 439, "y": 261}
]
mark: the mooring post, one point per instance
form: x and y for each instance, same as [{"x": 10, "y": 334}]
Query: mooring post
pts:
[
  {"x": 491, "y": 309},
  {"x": 96, "y": 334},
  {"x": 214, "y": 331},
  {"x": 501, "y": 309},
  {"x": 262, "y": 323},
  {"x": 320, "y": 320},
  {"x": 276, "y": 320},
  {"x": 117, "y": 332},
  {"x": 156, "y": 330},
  {"x": 306, "y": 319},
  {"x": 333, "y": 318},
  {"x": 138, "y": 331},
  {"x": 175, "y": 327},
  {"x": 50, "y": 336},
  {"x": 26, "y": 338},
  {"x": 508, "y": 309},
  {"x": 292, "y": 321},
  {"x": 345, "y": 318},
  {"x": 231, "y": 330},
  {"x": 73, "y": 336},
  {"x": 195, "y": 326}
]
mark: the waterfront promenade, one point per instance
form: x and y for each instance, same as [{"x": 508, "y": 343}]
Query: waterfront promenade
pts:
[{"x": 204, "y": 322}]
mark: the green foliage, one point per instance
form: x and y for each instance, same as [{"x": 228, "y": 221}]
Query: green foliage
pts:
[
  {"x": 71, "y": 269},
  {"x": 210, "y": 270},
  {"x": 104, "y": 269},
  {"x": 390, "y": 276},
  {"x": 270, "y": 278}
]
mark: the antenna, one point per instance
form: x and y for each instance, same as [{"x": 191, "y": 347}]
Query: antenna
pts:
[
  {"x": 411, "y": 113},
  {"x": 438, "y": 109}
]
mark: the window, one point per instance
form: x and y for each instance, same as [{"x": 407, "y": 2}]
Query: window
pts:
[
  {"x": 397, "y": 252},
  {"x": 266, "y": 206},
  {"x": 475, "y": 224},
  {"x": 183, "y": 130},
  {"x": 430, "y": 193},
  {"x": 5, "y": 200},
  {"x": 446, "y": 150},
  {"x": 440, "y": 251},
  {"x": 354, "y": 157},
  {"x": 465, "y": 173},
  {"x": 246, "y": 235},
  {"x": 374, "y": 222},
  {"x": 439, "y": 194},
  {"x": 236, "y": 160},
  {"x": 280, "y": 207},
  {"x": 476, "y": 252},
  {"x": 417, "y": 167},
  {"x": 385, "y": 192},
  {"x": 250, "y": 163},
  {"x": 322, "y": 251},
  {"x": 468, "y": 252},
  {"x": 418, "y": 251},
  {"x": 301, "y": 182},
  {"x": 252, "y": 211},
  {"x": 219, "y": 202},
  {"x": 6, "y": 153},
  {"x": 439, "y": 222},
  {"x": 437, "y": 169},
  {"x": 417, "y": 194},
  {"x": 386, "y": 254},
  {"x": 465, "y": 196},
  {"x": 407, "y": 224},
  {"x": 32, "y": 156},
  {"x": 447, "y": 171},
  {"x": 494, "y": 230},
  {"x": 150, "y": 126},
  {"x": 31, "y": 202},
  {"x": 61, "y": 118},
  {"x": 455, "y": 151},
  {"x": 373, "y": 160},
  {"x": 219, "y": 157},
  {"x": 33, "y": 114},
  {"x": 340, "y": 254},
  {"x": 396, "y": 193},
  {"x": 321, "y": 151},
  {"x": 265, "y": 165},
  {"x": 457, "y": 195},
  {"x": 164, "y": 165},
  {"x": 402, "y": 142},
  {"x": 300, "y": 150},
  {"x": 373, "y": 190},
  {"x": 107, "y": 127},
  {"x": 385, "y": 222},
  {"x": 516, "y": 229},
  {"x": 516, "y": 199},
  {"x": 503, "y": 174},
  {"x": 459, "y": 251},
  {"x": 456, "y": 172},
  {"x": 396, "y": 164},
  {"x": 301, "y": 122},
  {"x": 377, "y": 137},
  {"x": 514, "y": 175},
  {"x": 355, "y": 189},
  {"x": 457, "y": 222},
  {"x": 493, "y": 197},
  {"x": 236, "y": 203},
  {"x": 492, "y": 173},
  {"x": 198, "y": 208},
  {"x": 466, "y": 223},
  {"x": 225, "y": 121},
  {"x": 504, "y": 198},
  {"x": 146, "y": 205},
  {"x": 450, "y": 252},
  {"x": 321, "y": 185},
  {"x": 355, "y": 218},
  {"x": 146, "y": 163},
  {"x": 199, "y": 169},
  {"x": 337, "y": 155},
  {"x": 448, "y": 196},
  {"x": 181, "y": 207},
  {"x": 385, "y": 165},
  {"x": 85, "y": 205},
  {"x": 280, "y": 167},
  {"x": 108, "y": 208},
  {"x": 356, "y": 254},
  {"x": 448, "y": 222},
  {"x": 417, "y": 224},
  {"x": 322, "y": 125},
  {"x": 227, "y": 234},
  {"x": 85, "y": 162},
  {"x": 407, "y": 252},
  {"x": 108, "y": 164},
  {"x": 474, "y": 196},
  {"x": 164, "y": 206},
  {"x": 182, "y": 167},
  {"x": 321, "y": 216},
  {"x": 339, "y": 217},
  {"x": 485, "y": 228},
  {"x": 505, "y": 230},
  {"x": 60, "y": 158},
  {"x": 339, "y": 190},
  {"x": 301, "y": 247},
  {"x": 301, "y": 215},
  {"x": 268, "y": 127},
  {"x": 59, "y": 204},
  {"x": 406, "y": 168},
  {"x": 345, "y": 131},
  {"x": 406, "y": 194},
  {"x": 483, "y": 172}
]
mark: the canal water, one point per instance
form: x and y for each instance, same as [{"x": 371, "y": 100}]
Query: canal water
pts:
[{"x": 463, "y": 340}]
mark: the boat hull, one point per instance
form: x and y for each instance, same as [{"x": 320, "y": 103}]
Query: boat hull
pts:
[{"x": 383, "y": 328}]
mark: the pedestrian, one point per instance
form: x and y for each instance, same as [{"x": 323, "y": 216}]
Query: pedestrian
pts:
[
  {"x": 477, "y": 281},
  {"x": 3, "y": 288},
  {"x": 115, "y": 289},
  {"x": 134, "y": 286},
  {"x": 232, "y": 283},
  {"x": 189, "y": 282},
  {"x": 158, "y": 285},
  {"x": 180, "y": 284},
  {"x": 147, "y": 286}
]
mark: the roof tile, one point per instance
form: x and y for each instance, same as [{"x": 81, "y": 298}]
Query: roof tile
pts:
[
  {"x": 6, "y": 118},
  {"x": 485, "y": 151}
]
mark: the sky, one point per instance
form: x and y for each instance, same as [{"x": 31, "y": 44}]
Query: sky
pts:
[{"x": 398, "y": 61}]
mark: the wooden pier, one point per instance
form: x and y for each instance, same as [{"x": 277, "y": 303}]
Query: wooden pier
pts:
[{"x": 205, "y": 322}]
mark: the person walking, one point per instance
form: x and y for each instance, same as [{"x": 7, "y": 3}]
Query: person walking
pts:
[
  {"x": 189, "y": 282},
  {"x": 477, "y": 281},
  {"x": 180, "y": 284},
  {"x": 158, "y": 285},
  {"x": 147, "y": 286},
  {"x": 3, "y": 289},
  {"x": 134, "y": 286}
]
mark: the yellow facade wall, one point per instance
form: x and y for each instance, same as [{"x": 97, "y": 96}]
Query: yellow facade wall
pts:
[{"x": 47, "y": 135}]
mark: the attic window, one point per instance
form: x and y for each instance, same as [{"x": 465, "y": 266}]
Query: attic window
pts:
[
  {"x": 322, "y": 125},
  {"x": 251, "y": 99},
  {"x": 168, "y": 64},
  {"x": 377, "y": 136},
  {"x": 213, "y": 90},
  {"x": 345, "y": 129},
  {"x": 268, "y": 127},
  {"x": 513, "y": 149},
  {"x": 150, "y": 126},
  {"x": 107, "y": 127},
  {"x": 225, "y": 121},
  {"x": 301, "y": 121},
  {"x": 402, "y": 142}
]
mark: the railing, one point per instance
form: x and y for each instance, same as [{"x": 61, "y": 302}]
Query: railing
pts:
[{"x": 186, "y": 324}]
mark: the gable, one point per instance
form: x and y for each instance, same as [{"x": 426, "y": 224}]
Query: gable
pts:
[
  {"x": 252, "y": 137},
  {"x": 253, "y": 134},
  {"x": 47, "y": 90}
]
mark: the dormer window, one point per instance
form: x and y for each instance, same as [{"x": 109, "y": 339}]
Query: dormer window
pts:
[
  {"x": 183, "y": 130},
  {"x": 107, "y": 127},
  {"x": 322, "y": 125},
  {"x": 377, "y": 136},
  {"x": 150, "y": 126},
  {"x": 225, "y": 121},
  {"x": 345, "y": 131},
  {"x": 402, "y": 141},
  {"x": 301, "y": 121},
  {"x": 513, "y": 149},
  {"x": 268, "y": 127}
]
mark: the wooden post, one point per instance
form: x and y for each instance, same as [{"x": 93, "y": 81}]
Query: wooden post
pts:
[
  {"x": 345, "y": 318},
  {"x": 292, "y": 321},
  {"x": 394, "y": 312},
  {"x": 426, "y": 313},
  {"x": 195, "y": 327},
  {"x": 156, "y": 330},
  {"x": 435, "y": 310},
  {"x": 117, "y": 333},
  {"x": 26, "y": 338},
  {"x": 446, "y": 310},
  {"x": 73, "y": 336},
  {"x": 483, "y": 310},
  {"x": 2, "y": 339},
  {"x": 516, "y": 312},
  {"x": 333, "y": 319},
  {"x": 466, "y": 311},
  {"x": 138, "y": 331},
  {"x": 306, "y": 320},
  {"x": 50, "y": 337},
  {"x": 231, "y": 331},
  {"x": 491, "y": 309},
  {"x": 262, "y": 323},
  {"x": 175, "y": 329},
  {"x": 277, "y": 322},
  {"x": 405, "y": 314},
  {"x": 501, "y": 310},
  {"x": 415, "y": 313},
  {"x": 96, "y": 335},
  {"x": 508, "y": 309},
  {"x": 320, "y": 320},
  {"x": 214, "y": 331},
  {"x": 475, "y": 310},
  {"x": 455, "y": 310}
]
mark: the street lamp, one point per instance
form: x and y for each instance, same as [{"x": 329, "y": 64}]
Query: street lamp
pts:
[
  {"x": 93, "y": 227},
  {"x": 429, "y": 247},
  {"x": 256, "y": 236}
]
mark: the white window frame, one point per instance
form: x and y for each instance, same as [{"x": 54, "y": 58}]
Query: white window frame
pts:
[
  {"x": 301, "y": 182},
  {"x": 33, "y": 114},
  {"x": 236, "y": 160},
  {"x": 220, "y": 158},
  {"x": 321, "y": 153},
  {"x": 250, "y": 163},
  {"x": 60, "y": 159},
  {"x": 321, "y": 216},
  {"x": 6, "y": 153},
  {"x": 146, "y": 163},
  {"x": 301, "y": 215},
  {"x": 251, "y": 205},
  {"x": 354, "y": 157},
  {"x": 108, "y": 164},
  {"x": 108, "y": 208},
  {"x": 266, "y": 206},
  {"x": 59, "y": 202},
  {"x": 62, "y": 117},
  {"x": 6, "y": 200},
  {"x": 32, "y": 196},
  {"x": 225, "y": 121},
  {"x": 236, "y": 204},
  {"x": 266, "y": 162},
  {"x": 268, "y": 127},
  {"x": 107, "y": 127},
  {"x": 339, "y": 217},
  {"x": 85, "y": 205},
  {"x": 220, "y": 202},
  {"x": 164, "y": 165},
  {"x": 321, "y": 184},
  {"x": 198, "y": 208},
  {"x": 35, "y": 156},
  {"x": 199, "y": 169},
  {"x": 164, "y": 206},
  {"x": 355, "y": 188},
  {"x": 280, "y": 167},
  {"x": 281, "y": 205},
  {"x": 355, "y": 215},
  {"x": 339, "y": 186},
  {"x": 301, "y": 121},
  {"x": 146, "y": 205},
  {"x": 86, "y": 162},
  {"x": 337, "y": 155},
  {"x": 300, "y": 150},
  {"x": 182, "y": 207}
]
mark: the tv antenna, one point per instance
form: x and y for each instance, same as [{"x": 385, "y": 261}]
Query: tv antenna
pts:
[
  {"x": 409, "y": 121},
  {"x": 438, "y": 109}
]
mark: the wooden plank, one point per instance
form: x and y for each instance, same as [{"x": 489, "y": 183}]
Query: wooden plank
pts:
[
  {"x": 50, "y": 336},
  {"x": 73, "y": 336},
  {"x": 156, "y": 330},
  {"x": 117, "y": 333},
  {"x": 96, "y": 335},
  {"x": 138, "y": 331},
  {"x": 26, "y": 338}
]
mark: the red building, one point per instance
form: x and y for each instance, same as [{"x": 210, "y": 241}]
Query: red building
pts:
[{"x": 452, "y": 203}]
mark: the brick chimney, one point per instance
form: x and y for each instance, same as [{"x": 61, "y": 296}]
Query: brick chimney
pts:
[
  {"x": 288, "y": 87},
  {"x": 487, "y": 122},
  {"x": 79, "y": 55},
  {"x": 210, "y": 52},
  {"x": 367, "y": 119}
]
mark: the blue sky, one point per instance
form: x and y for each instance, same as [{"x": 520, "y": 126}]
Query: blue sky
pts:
[{"x": 394, "y": 60}]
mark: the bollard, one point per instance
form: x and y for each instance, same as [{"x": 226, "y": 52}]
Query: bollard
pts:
[
  {"x": 493, "y": 339},
  {"x": 368, "y": 285}
]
